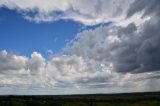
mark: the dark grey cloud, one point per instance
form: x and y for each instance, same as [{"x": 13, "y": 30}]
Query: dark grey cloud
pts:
[
  {"x": 149, "y": 46},
  {"x": 148, "y": 6},
  {"x": 141, "y": 52}
]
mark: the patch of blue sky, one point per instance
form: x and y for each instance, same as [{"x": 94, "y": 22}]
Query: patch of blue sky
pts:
[
  {"x": 21, "y": 36},
  {"x": 97, "y": 25},
  {"x": 100, "y": 68}
]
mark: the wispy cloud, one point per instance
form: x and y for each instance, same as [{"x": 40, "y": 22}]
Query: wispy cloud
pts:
[{"x": 84, "y": 11}]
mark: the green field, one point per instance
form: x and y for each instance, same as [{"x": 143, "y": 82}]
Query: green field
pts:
[{"x": 130, "y": 99}]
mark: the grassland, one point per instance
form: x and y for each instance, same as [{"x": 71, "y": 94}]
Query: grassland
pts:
[{"x": 129, "y": 99}]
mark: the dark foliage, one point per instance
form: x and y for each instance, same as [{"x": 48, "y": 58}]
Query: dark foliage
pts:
[{"x": 127, "y": 99}]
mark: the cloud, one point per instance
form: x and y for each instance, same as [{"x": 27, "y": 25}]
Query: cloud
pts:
[
  {"x": 128, "y": 49},
  {"x": 64, "y": 71},
  {"x": 83, "y": 11},
  {"x": 11, "y": 61},
  {"x": 36, "y": 63},
  {"x": 127, "y": 52},
  {"x": 146, "y": 6}
]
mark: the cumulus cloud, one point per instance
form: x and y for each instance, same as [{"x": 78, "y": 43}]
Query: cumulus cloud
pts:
[
  {"x": 11, "y": 61},
  {"x": 84, "y": 11},
  {"x": 36, "y": 63},
  {"x": 130, "y": 48},
  {"x": 64, "y": 71},
  {"x": 121, "y": 57}
]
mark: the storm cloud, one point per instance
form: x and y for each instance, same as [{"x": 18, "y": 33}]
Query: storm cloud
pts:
[{"x": 133, "y": 49}]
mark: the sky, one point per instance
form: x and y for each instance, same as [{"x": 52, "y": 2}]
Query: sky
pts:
[
  {"x": 22, "y": 35},
  {"x": 52, "y": 47}
]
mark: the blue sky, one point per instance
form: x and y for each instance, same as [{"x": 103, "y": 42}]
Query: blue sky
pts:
[{"x": 23, "y": 37}]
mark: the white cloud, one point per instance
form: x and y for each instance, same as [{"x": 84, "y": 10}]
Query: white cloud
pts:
[
  {"x": 137, "y": 19},
  {"x": 63, "y": 72},
  {"x": 36, "y": 63},
  {"x": 11, "y": 61},
  {"x": 84, "y": 11},
  {"x": 127, "y": 51}
]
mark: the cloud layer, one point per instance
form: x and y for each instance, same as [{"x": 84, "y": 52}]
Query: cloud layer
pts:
[
  {"x": 72, "y": 72},
  {"x": 133, "y": 48},
  {"x": 121, "y": 57},
  {"x": 83, "y": 11}
]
